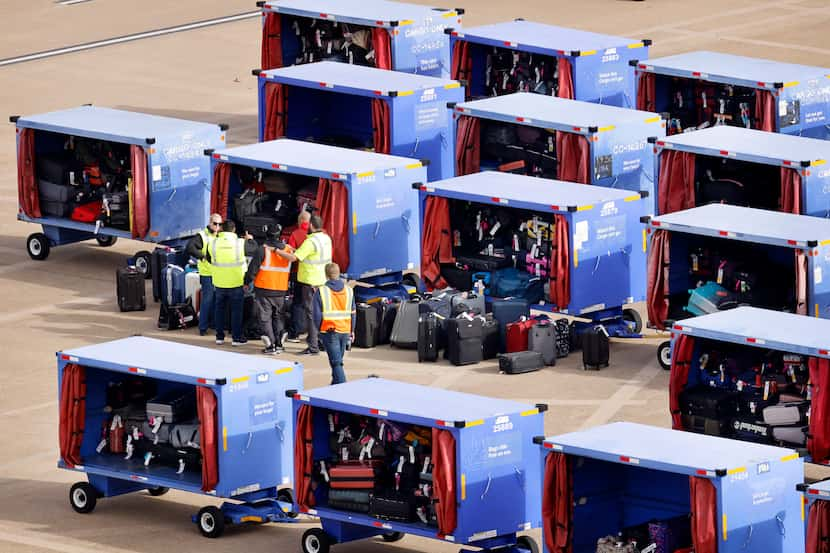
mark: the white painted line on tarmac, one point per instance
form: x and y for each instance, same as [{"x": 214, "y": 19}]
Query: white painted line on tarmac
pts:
[
  {"x": 128, "y": 38},
  {"x": 28, "y": 409},
  {"x": 72, "y": 2}
]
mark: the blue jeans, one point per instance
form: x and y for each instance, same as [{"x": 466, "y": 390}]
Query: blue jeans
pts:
[
  {"x": 335, "y": 344},
  {"x": 235, "y": 297},
  {"x": 206, "y": 306}
]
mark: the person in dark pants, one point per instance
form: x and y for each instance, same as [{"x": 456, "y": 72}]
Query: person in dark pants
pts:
[
  {"x": 295, "y": 240},
  {"x": 269, "y": 273},
  {"x": 334, "y": 315},
  {"x": 227, "y": 258},
  {"x": 197, "y": 248}
]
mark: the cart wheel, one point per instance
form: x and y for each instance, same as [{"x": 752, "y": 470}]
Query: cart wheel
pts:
[
  {"x": 105, "y": 241},
  {"x": 315, "y": 540},
  {"x": 528, "y": 544},
  {"x": 211, "y": 521},
  {"x": 391, "y": 537},
  {"x": 83, "y": 497},
  {"x": 287, "y": 496},
  {"x": 38, "y": 246},
  {"x": 633, "y": 316},
  {"x": 157, "y": 491},
  {"x": 664, "y": 355},
  {"x": 142, "y": 263}
]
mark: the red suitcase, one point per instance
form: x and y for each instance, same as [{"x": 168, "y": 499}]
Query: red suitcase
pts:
[
  {"x": 518, "y": 335},
  {"x": 355, "y": 475}
]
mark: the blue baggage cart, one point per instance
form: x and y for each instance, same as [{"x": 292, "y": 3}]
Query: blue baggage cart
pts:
[
  {"x": 361, "y": 107},
  {"x": 482, "y": 448},
  {"x": 403, "y": 37},
  {"x": 366, "y": 200},
  {"x": 591, "y": 67},
  {"x": 170, "y": 187},
  {"x": 794, "y": 346},
  {"x": 814, "y": 513},
  {"x": 588, "y": 143},
  {"x": 599, "y": 245},
  {"x": 244, "y": 424},
  {"x": 765, "y": 170},
  {"x": 778, "y": 97},
  {"x": 617, "y": 477},
  {"x": 786, "y": 253}
]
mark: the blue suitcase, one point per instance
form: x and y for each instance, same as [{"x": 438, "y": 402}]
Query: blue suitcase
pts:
[
  {"x": 374, "y": 294},
  {"x": 173, "y": 285},
  {"x": 162, "y": 257},
  {"x": 508, "y": 311}
]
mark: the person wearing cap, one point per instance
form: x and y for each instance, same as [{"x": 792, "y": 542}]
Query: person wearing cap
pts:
[
  {"x": 334, "y": 315},
  {"x": 269, "y": 273},
  {"x": 197, "y": 248}
]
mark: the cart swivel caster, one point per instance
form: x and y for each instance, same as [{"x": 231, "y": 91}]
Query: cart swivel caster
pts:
[
  {"x": 105, "y": 241},
  {"x": 633, "y": 316},
  {"x": 315, "y": 540},
  {"x": 83, "y": 497},
  {"x": 664, "y": 355},
  {"x": 38, "y": 246},
  {"x": 391, "y": 537},
  {"x": 142, "y": 263},
  {"x": 157, "y": 491},
  {"x": 528, "y": 544},
  {"x": 287, "y": 496},
  {"x": 211, "y": 521}
]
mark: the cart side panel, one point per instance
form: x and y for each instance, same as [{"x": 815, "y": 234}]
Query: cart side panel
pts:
[
  {"x": 604, "y": 77},
  {"x": 623, "y": 158},
  {"x": 818, "y": 282},
  {"x": 636, "y": 236},
  {"x": 815, "y": 191},
  {"x": 384, "y": 222},
  {"x": 761, "y": 508},
  {"x": 804, "y": 109},
  {"x": 422, "y": 47}
]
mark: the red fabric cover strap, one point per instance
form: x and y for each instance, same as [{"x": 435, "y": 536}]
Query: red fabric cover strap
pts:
[
  {"x": 468, "y": 145},
  {"x": 560, "y": 277},
  {"x": 276, "y": 111},
  {"x": 206, "y": 409},
  {"x": 765, "y": 112},
  {"x": 381, "y": 126},
  {"x": 646, "y": 95},
  {"x": 790, "y": 190},
  {"x": 566, "y": 78},
  {"x": 27, "y": 191},
  {"x": 436, "y": 241},
  {"x": 220, "y": 189},
  {"x": 271, "y": 41},
  {"x": 382, "y": 43},
  {"x": 818, "y": 528},
  {"x": 681, "y": 360},
  {"x": 444, "y": 480},
  {"x": 557, "y": 504},
  {"x": 72, "y": 411},
  {"x": 140, "y": 201},
  {"x": 657, "y": 290},
  {"x": 818, "y": 440},
  {"x": 574, "y": 154},
  {"x": 676, "y": 185},
  {"x": 704, "y": 498},
  {"x": 304, "y": 457},
  {"x": 333, "y": 199}
]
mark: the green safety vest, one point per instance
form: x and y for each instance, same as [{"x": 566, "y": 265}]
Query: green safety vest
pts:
[
  {"x": 227, "y": 254},
  {"x": 203, "y": 265},
  {"x": 312, "y": 269}
]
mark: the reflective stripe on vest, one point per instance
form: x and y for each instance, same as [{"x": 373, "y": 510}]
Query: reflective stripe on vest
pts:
[
  {"x": 238, "y": 257},
  {"x": 228, "y": 261},
  {"x": 203, "y": 265},
  {"x": 337, "y": 309},
  {"x": 274, "y": 271},
  {"x": 318, "y": 247}
]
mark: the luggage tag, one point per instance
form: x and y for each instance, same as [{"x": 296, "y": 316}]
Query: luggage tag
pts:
[
  {"x": 130, "y": 448},
  {"x": 478, "y": 227},
  {"x": 101, "y": 445},
  {"x": 324, "y": 471},
  {"x": 705, "y": 105},
  {"x": 766, "y": 390},
  {"x": 344, "y": 454},
  {"x": 425, "y": 469},
  {"x": 720, "y": 271},
  {"x": 331, "y": 423},
  {"x": 495, "y": 228},
  {"x": 695, "y": 263},
  {"x": 380, "y": 431},
  {"x": 181, "y": 466}
]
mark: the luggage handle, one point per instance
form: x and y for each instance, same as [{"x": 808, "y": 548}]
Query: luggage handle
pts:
[
  {"x": 279, "y": 429},
  {"x": 405, "y": 221},
  {"x": 487, "y": 487},
  {"x": 170, "y": 197}
]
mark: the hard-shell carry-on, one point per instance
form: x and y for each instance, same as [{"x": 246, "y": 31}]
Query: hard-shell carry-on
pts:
[
  {"x": 163, "y": 256},
  {"x": 791, "y": 435},
  {"x": 595, "y": 348},
  {"x": 405, "y": 329},
  {"x": 542, "y": 338},
  {"x": 787, "y": 414},
  {"x": 129, "y": 285},
  {"x": 508, "y": 311},
  {"x": 518, "y": 335},
  {"x": 366, "y": 326},
  {"x": 520, "y": 362},
  {"x": 464, "y": 340},
  {"x": 356, "y": 476},
  {"x": 428, "y": 329},
  {"x": 490, "y": 338},
  {"x": 173, "y": 406},
  {"x": 173, "y": 285}
]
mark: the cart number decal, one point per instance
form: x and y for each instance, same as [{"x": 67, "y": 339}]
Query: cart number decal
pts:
[
  {"x": 502, "y": 424},
  {"x": 237, "y": 386},
  {"x": 763, "y": 468}
]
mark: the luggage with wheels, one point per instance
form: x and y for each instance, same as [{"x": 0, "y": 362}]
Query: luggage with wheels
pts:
[
  {"x": 366, "y": 326},
  {"x": 520, "y": 362},
  {"x": 490, "y": 338},
  {"x": 468, "y": 302},
  {"x": 712, "y": 403},
  {"x": 542, "y": 338},
  {"x": 794, "y": 435},
  {"x": 173, "y": 285},
  {"x": 172, "y": 406},
  {"x": 464, "y": 341},
  {"x": 704, "y": 425},
  {"x": 518, "y": 335},
  {"x": 387, "y": 312},
  {"x": 507, "y": 311},
  {"x": 595, "y": 348},
  {"x": 428, "y": 328},
  {"x": 177, "y": 316},
  {"x": 130, "y": 289},
  {"x": 353, "y": 476},
  {"x": 163, "y": 256},
  {"x": 563, "y": 338},
  {"x": 751, "y": 430},
  {"x": 787, "y": 414},
  {"x": 405, "y": 329}
]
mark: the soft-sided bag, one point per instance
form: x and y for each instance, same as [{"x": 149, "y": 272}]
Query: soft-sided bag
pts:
[
  {"x": 53, "y": 192},
  {"x": 354, "y": 476},
  {"x": 349, "y": 500},
  {"x": 366, "y": 326},
  {"x": 86, "y": 213},
  {"x": 395, "y": 507},
  {"x": 185, "y": 435},
  {"x": 177, "y": 316},
  {"x": 464, "y": 341},
  {"x": 709, "y": 402},
  {"x": 468, "y": 302},
  {"x": 520, "y": 362},
  {"x": 542, "y": 338}
]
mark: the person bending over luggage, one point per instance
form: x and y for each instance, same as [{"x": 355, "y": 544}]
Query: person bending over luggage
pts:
[
  {"x": 313, "y": 255},
  {"x": 334, "y": 314},
  {"x": 197, "y": 247},
  {"x": 295, "y": 240},
  {"x": 269, "y": 273},
  {"x": 228, "y": 265}
]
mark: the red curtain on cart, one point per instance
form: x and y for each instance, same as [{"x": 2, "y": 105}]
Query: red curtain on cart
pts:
[
  {"x": 304, "y": 458},
  {"x": 468, "y": 146},
  {"x": 333, "y": 199},
  {"x": 557, "y": 504},
  {"x": 676, "y": 185},
  {"x": 436, "y": 241},
  {"x": 276, "y": 111},
  {"x": 657, "y": 291},
  {"x": 764, "y": 110},
  {"x": 272, "y": 41},
  {"x": 818, "y": 528},
  {"x": 560, "y": 278},
  {"x": 209, "y": 436},
  {"x": 573, "y": 153},
  {"x": 220, "y": 189},
  {"x": 27, "y": 192},
  {"x": 72, "y": 413},
  {"x": 380, "y": 126},
  {"x": 818, "y": 441},
  {"x": 140, "y": 200},
  {"x": 382, "y": 43},
  {"x": 681, "y": 359},
  {"x": 646, "y": 92},
  {"x": 800, "y": 282},
  {"x": 790, "y": 190},
  {"x": 462, "y": 64},
  {"x": 566, "y": 78},
  {"x": 443, "y": 480},
  {"x": 704, "y": 498}
]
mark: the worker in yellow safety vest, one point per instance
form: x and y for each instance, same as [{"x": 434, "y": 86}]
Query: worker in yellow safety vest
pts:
[
  {"x": 313, "y": 256},
  {"x": 197, "y": 248},
  {"x": 334, "y": 315},
  {"x": 270, "y": 274},
  {"x": 228, "y": 267}
]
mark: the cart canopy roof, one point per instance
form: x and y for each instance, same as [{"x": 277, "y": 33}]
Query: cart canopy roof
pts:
[
  {"x": 356, "y": 76},
  {"x": 771, "y": 146},
  {"x": 549, "y": 37},
  {"x": 370, "y": 11},
  {"x": 685, "y": 450},
  {"x": 416, "y": 401}
]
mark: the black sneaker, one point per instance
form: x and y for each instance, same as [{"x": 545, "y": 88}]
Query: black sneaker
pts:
[
  {"x": 309, "y": 351},
  {"x": 271, "y": 350}
]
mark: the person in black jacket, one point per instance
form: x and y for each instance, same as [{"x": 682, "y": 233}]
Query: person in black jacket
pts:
[
  {"x": 197, "y": 248},
  {"x": 269, "y": 273}
]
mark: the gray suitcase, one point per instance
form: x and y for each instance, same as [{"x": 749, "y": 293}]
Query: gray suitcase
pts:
[
  {"x": 160, "y": 436},
  {"x": 794, "y": 435},
  {"x": 405, "y": 329},
  {"x": 786, "y": 414},
  {"x": 52, "y": 192},
  {"x": 466, "y": 303},
  {"x": 542, "y": 338},
  {"x": 173, "y": 406}
]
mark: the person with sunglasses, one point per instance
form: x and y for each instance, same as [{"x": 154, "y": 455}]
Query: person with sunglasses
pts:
[{"x": 197, "y": 247}]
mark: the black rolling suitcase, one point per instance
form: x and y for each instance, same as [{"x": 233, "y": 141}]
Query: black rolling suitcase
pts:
[
  {"x": 542, "y": 338},
  {"x": 129, "y": 285},
  {"x": 595, "y": 348},
  {"x": 350, "y": 500},
  {"x": 520, "y": 362},
  {"x": 387, "y": 311},
  {"x": 490, "y": 338},
  {"x": 464, "y": 341},
  {"x": 428, "y": 329},
  {"x": 563, "y": 338},
  {"x": 366, "y": 330}
]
